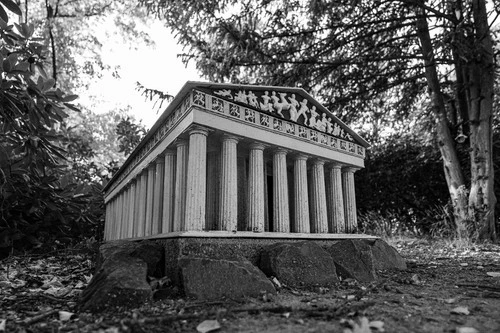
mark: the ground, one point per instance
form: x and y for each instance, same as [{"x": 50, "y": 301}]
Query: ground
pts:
[{"x": 448, "y": 287}]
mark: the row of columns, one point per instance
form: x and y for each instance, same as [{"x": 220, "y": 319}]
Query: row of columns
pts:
[{"x": 171, "y": 193}]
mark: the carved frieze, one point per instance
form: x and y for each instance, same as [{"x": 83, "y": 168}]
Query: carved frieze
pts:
[{"x": 287, "y": 106}]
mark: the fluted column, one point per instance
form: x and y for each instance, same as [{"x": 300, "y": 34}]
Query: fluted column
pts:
[
  {"x": 213, "y": 190},
  {"x": 168, "y": 191},
  {"x": 318, "y": 197},
  {"x": 335, "y": 199},
  {"x": 301, "y": 197},
  {"x": 107, "y": 220},
  {"x": 158, "y": 196},
  {"x": 111, "y": 218},
  {"x": 255, "y": 214},
  {"x": 180, "y": 185},
  {"x": 228, "y": 215},
  {"x": 148, "y": 227},
  {"x": 351, "y": 219},
  {"x": 124, "y": 211},
  {"x": 131, "y": 207},
  {"x": 141, "y": 223},
  {"x": 119, "y": 210},
  {"x": 137, "y": 206},
  {"x": 281, "y": 212},
  {"x": 196, "y": 179}
]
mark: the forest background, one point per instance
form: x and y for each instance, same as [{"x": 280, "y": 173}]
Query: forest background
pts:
[{"x": 417, "y": 79}]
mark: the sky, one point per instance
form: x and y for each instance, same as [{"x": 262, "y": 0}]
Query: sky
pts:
[{"x": 155, "y": 67}]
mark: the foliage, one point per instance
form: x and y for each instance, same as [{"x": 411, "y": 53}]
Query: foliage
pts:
[
  {"x": 73, "y": 31},
  {"x": 39, "y": 198},
  {"x": 129, "y": 134}
]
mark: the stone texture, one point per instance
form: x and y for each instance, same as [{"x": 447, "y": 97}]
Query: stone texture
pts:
[
  {"x": 353, "y": 259},
  {"x": 385, "y": 256},
  {"x": 303, "y": 264},
  {"x": 233, "y": 278},
  {"x": 120, "y": 277}
]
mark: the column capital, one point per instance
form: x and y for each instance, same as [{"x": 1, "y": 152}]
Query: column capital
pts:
[
  {"x": 335, "y": 165},
  {"x": 197, "y": 129},
  {"x": 181, "y": 142},
  {"x": 257, "y": 146},
  {"x": 160, "y": 159},
  {"x": 318, "y": 161},
  {"x": 169, "y": 152},
  {"x": 350, "y": 169},
  {"x": 230, "y": 137},
  {"x": 280, "y": 150},
  {"x": 300, "y": 157}
]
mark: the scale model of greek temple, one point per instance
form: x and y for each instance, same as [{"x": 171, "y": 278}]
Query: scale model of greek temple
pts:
[{"x": 238, "y": 159}]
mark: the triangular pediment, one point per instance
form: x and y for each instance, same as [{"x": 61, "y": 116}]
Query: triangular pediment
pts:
[{"x": 292, "y": 104}]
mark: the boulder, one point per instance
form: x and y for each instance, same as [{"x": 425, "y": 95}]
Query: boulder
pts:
[
  {"x": 216, "y": 278},
  {"x": 353, "y": 259},
  {"x": 150, "y": 252},
  {"x": 120, "y": 279},
  {"x": 385, "y": 256},
  {"x": 303, "y": 264}
]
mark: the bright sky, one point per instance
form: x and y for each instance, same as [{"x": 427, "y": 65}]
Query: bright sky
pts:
[{"x": 155, "y": 67}]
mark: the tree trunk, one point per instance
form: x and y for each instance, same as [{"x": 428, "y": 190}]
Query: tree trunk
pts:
[
  {"x": 451, "y": 164},
  {"x": 482, "y": 198}
]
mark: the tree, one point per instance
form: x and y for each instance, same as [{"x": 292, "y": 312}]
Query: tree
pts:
[{"x": 366, "y": 60}]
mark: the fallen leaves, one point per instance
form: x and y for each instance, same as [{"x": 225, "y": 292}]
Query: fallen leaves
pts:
[
  {"x": 362, "y": 325},
  {"x": 208, "y": 326},
  {"x": 461, "y": 310}
]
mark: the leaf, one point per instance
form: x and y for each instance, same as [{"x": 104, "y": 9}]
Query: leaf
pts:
[
  {"x": 3, "y": 15},
  {"x": 12, "y": 6},
  {"x": 354, "y": 327},
  {"x": 466, "y": 330},
  {"x": 461, "y": 310},
  {"x": 208, "y": 326},
  {"x": 2, "y": 325},
  {"x": 65, "y": 315},
  {"x": 493, "y": 274}
]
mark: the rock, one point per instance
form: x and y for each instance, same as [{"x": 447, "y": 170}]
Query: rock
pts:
[
  {"x": 353, "y": 259},
  {"x": 150, "y": 252},
  {"x": 216, "y": 278},
  {"x": 121, "y": 276},
  {"x": 385, "y": 256},
  {"x": 303, "y": 264}
]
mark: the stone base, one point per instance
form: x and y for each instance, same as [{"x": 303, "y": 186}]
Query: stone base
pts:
[{"x": 249, "y": 245}]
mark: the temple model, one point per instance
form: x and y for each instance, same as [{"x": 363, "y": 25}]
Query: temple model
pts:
[{"x": 238, "y": 158}]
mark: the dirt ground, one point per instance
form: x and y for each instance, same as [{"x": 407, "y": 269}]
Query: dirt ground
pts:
[{"x": 448, "y": 287}]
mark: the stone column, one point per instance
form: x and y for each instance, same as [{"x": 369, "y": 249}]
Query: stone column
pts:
[
  {"x": 119, "y": 205},
  {"x": 180, "y": 185},
  {"x": 141, "y": 222},
  {"x": 318, "y": 197},
  {"x": 301, "y": 197},
  {"x": 137, "y": 206},
  {"x": 213, "y": 190},
  {"x": 110, "y": 220},
  {"x": 228, "y": 215},
  {"x": 148, "y": 227},
  {"x": 280, "y": 192},
  {"x": 351, "y": 220},
  {"x": 131, "y": 207},
  {"x": 255, "y": 214},
  {"x": 158, "y": 195},
  {"x": 107, "y": 220},
  {"x": 168, "y": 191},
  {"x": 124, "y": 211},
  {"x": 335, "y": 199},
  {"x": 196, "y": 179}
]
